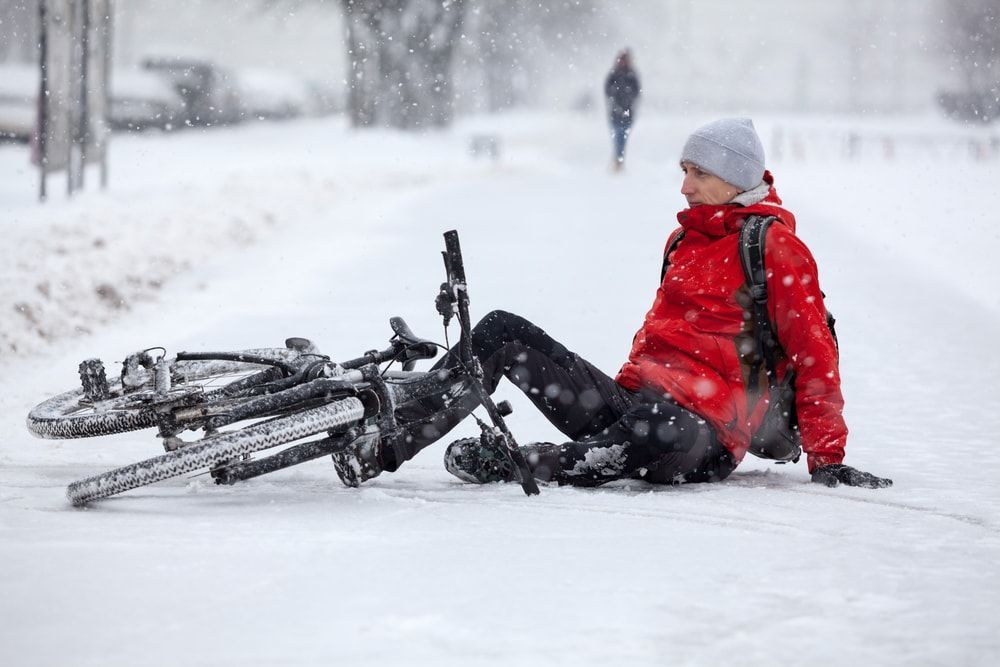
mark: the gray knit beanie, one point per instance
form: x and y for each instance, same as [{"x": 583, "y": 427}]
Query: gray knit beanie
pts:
[{"x": 730, "y": 149}]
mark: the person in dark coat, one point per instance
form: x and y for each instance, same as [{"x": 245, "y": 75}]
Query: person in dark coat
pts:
[{"x": 622, "y": 91}]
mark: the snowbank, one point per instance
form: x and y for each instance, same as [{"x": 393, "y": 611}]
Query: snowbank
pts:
[{"x": 67, "y": 268}]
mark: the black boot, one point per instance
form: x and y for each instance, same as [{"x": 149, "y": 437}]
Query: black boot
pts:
[
  {"x": 484, "y": 460},
  {"x": 544, "y": 461}
]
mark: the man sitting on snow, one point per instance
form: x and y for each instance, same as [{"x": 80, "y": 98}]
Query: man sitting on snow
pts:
[{"x": 684, "y": 406}]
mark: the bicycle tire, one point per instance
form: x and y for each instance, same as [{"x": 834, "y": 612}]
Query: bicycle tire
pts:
[
  {"x": 71, "y": 415},
  {"x": 217, "y": 449}
]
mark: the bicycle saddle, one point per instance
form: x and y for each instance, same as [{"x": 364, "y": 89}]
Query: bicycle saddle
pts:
[{"x": 413, "y": 348}]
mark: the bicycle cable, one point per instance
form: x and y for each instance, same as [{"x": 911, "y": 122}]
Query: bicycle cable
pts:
[
  {"x": 395, "y": 357},
  {"x": 462, "y": 365}
]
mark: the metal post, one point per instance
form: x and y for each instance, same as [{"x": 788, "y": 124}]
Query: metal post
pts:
[
  {"x": 107, "y": 25},
  {"x": 70, "y": 155},
  {"x": 71, "y": 108},
  {"x": 83, "y": 130},
  {"x": 43, "y": 104}
]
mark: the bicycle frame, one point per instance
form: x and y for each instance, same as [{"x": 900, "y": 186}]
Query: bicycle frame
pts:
[
  {"x": 379, "y": 397},
  {"x": 363, "y": 379}
]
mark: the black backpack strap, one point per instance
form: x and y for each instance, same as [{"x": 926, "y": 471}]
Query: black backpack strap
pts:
[
  {"x": 672, "y": 243},
  {"x": 752, "y": 246}
]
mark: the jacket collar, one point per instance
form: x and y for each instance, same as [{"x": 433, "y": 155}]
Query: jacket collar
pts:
[{"x": 723, "y": 219}]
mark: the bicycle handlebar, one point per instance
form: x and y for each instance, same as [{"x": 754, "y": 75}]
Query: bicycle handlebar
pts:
[
  {"x": 458, "y": 294},
  {"x": 453, "y": 256}
]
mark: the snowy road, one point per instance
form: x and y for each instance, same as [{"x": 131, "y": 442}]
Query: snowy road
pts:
[{"x": 418, "y": 568}]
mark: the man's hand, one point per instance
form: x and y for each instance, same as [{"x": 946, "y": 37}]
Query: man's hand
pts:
[{"x": 837, "y": 473}]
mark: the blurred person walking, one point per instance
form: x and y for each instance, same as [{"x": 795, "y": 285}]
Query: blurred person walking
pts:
[
  {"x": 690, "y": 401},
  {"x": 622, "y": 91}
]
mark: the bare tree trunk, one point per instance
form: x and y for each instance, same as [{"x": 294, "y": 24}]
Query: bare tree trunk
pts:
[
  {"x": 975, "y": 35},
  {"x": 362, "y": 22},
  {"x": 499, "y": 63},
  {"x": 400, "y": 58},
  {"x": 435, "y": 35}
]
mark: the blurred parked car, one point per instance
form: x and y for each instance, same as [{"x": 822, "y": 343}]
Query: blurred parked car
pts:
[
  {"x": 326, "y": 97},
  {"x": 142, "y": 100},
  {"x": 210, "y": 92},
  {"x": 18, "y": 106},
  {"x": 273, "y": 94}
]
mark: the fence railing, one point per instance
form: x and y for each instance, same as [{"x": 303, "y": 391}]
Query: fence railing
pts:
[{"x": 807, "y": 143}]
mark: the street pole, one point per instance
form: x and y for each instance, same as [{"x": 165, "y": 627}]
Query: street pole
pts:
[
  {"x": 42, "y": 107},
  {"x": 83, "y": 130},
  {"x": 106, "y": 33}
]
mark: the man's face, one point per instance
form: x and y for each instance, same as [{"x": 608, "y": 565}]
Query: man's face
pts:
[{"x": 700, "y": 187}]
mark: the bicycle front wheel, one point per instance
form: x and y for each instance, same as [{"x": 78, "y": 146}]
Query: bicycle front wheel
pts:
[{"x": 219, "y": 449}]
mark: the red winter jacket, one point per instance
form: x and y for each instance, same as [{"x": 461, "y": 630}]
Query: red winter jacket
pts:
[{"x": 697, "y": 342}]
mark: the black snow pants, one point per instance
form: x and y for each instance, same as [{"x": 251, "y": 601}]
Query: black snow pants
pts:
[{"x": 615, "y": 433}]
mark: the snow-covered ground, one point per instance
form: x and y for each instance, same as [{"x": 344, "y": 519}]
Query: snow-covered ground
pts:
[{"x": 243, "y": 237}]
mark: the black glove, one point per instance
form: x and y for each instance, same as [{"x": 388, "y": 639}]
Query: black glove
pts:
[{"x": 838, "y": 473}]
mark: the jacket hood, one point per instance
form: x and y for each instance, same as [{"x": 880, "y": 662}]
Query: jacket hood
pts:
[{"x": 723, "y": 219}]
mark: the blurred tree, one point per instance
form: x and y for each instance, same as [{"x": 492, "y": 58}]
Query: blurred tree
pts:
[
  {"x": 400, "y": 60},
  {"x": 508, "y": 42},
  {"x": 974, "y": 31},
  {"x": 402, "y": 55}
]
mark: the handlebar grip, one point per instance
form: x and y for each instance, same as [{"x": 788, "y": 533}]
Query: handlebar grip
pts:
[{"x": 453, "y": 252}]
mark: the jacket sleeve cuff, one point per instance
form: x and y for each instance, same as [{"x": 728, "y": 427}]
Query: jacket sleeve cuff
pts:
[{"x": 820, "y": 460}]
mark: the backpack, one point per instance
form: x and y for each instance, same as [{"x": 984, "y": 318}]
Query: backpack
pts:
[{"x": 777, "y": 438}]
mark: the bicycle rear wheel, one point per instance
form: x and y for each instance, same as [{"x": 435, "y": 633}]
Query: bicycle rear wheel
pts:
[
  {"x": 218, "y": 449},
  {"x": 73, "y": 414}
]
